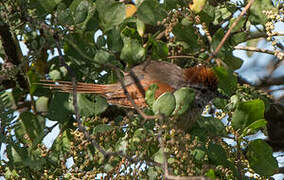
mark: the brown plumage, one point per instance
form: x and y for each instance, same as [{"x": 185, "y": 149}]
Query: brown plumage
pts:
[{"x": 167, "y": 76}]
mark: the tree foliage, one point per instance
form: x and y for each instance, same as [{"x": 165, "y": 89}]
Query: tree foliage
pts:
[{"x": 115, "y": 142}]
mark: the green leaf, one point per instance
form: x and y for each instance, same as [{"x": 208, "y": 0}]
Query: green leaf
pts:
[
  {"x": 198, "y": 154},
  {"x": 208, "y": 13},
  {"x": 247, "y": 113},
  {"x": 165, "y": 104},
  {"x": 29, "y": 129},
  {"x": 10, "y": 99},
  {"x": 86, "y": 107},
  {"x": 16, "y": 154},
  {"x": 171, "y": 160},
  {"x": 111, "y": 13},
  {"x": 238, "y": 38},
  {"x": 184, "y": 99},
  {"x": 100, "y": 105},
  {"x": 48, "y": 5},
  {"x": 56, "y": 71},
  {"x": 140, "y": 27},
  {"x": 33, "y": 124},
  {"x": 217, "y": 154},
  {"x": 42, "y": 104},
  {"x": 64, "y": 15},
  {"x": 232, "y": 61},
  {"x": 20, "y": 133},
  {"x": 33, "y": 78},
  {"x": 131, "y": 33},
  {"x": 210, "y": 174},
  {"x": 114, "y": 40},
  {"x": 92, "y": 21},
  {"x": 132, "y": 51},
  {"x": 101, "y": 128},
  {"x": 186, "y": 34},
  {"x": 186, "y": 22},
  {"x": 255, "y": 11},
  {"x": 211, "y": 126},
  {"x": 103, "y": 57},
  {"x": 220, "y": 103},
  {"x": 81, "y": 12},
  {"x": 227, "y": 81},
  {"x": 254, "y": 126},
  {"x": 62, "y": 143},
  {"x": 234, "y": 102},
  {"x": 89, "y": 108},
  {"x": 60, "y": 101},
  {"x": 239, "y": 25},
  {"x": 150, "y": 12},
  {"x": 11, "y": 174},
  {"x": 150, "y": 94},
  {"x": 73, "y": 6},
  {"x": 152, "y": 174},
  {"x": 108, "y": 167},
  {"x": 138, "y": 135},
  {"x": 159, "y": 157},
  {"x": 170, "y": 4},
  {"x": 160, "y": 49},
  {"x": 260, "y": 158},
  {"x": 218, "y": 36},
  {"x": 122, "y": 145}
]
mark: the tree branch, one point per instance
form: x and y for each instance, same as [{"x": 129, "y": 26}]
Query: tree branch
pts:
[
  {"x": 229, "y": 31},
  {"x": 281, "y": 170},
  {"x": 255, "y": 49},
  {"x": 13, "y": 57},
  {"x": 80, "y": 126},
  {"x": 75, "y": 102},
  {"x": 118, "y": 73},
  {"x": 165, "y": 163}
]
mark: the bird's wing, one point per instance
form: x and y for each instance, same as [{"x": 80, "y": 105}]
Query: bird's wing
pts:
[{"x": 114, "y": 93}]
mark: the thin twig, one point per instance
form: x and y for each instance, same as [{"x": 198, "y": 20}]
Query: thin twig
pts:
[
  {"x": 208, "y": 36},
  {"x": 82, "y": 128},
  {"x": 160, "y": 35},
  {"x": 75, "y": 102},
  {"x": 255, "y": 49},
  {"x": 281, "y": 170},
  {"x": 229, "y": 31},
  {"x": 239, "y": 164},
  {"x": 145, "y": 116},
  {"x": 162, "y": 145},
  {"x": 183, "y": 56},
  {"x": 278, "y": 34},
  {"x": 165, "y": 163},
  {"x": 118, "y": 73}
]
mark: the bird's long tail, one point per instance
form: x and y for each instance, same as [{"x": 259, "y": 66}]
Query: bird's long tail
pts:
[
  {"x": 113, "y": 92},
  {"x": 86, "y": 88}
]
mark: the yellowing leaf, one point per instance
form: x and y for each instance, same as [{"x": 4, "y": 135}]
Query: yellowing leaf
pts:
[
  {"x": 140, "y": 27},
  {"x": 130, "y": 9},
  {"x": 197, "y": 5}
]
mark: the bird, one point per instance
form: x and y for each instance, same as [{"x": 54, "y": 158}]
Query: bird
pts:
[{"x": 167, "y": 76}]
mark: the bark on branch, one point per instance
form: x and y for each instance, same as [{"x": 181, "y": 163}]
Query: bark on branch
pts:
[{"x": 13, "y": 57}]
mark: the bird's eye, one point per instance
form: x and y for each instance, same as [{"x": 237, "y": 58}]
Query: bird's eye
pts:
[{"x": 203, "y": 91}]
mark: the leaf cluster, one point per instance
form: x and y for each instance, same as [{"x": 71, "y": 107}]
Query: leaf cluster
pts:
[{"x": 94, "y": 33}]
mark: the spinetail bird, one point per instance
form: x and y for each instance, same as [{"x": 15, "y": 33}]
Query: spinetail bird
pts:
[{"x": 168, "y": 77}]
